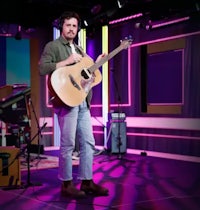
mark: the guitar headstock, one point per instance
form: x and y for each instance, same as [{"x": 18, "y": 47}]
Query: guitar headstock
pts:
[{"x": 126, "y": 42}]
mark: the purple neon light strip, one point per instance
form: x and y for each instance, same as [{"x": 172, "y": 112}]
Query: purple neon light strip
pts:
[{"x": 125, "y": 18}]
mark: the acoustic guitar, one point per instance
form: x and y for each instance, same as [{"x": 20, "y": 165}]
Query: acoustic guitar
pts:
[{"x": 71, "y": 84}]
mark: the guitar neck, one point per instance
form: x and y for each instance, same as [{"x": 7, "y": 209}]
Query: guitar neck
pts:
[{"x": 106, "y": 58}]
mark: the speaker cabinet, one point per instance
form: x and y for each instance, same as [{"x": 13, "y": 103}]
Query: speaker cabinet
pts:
[
  {"x": 9, "y": 166},
  {"x": 117, "y": 143}
]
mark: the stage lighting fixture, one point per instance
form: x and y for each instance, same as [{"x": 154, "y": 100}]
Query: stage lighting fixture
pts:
[
  {"x": 147, "y": 25},
  {"x": 120, "y": 3}
]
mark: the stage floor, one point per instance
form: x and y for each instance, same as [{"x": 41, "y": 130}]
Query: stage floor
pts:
[{"x": 135, "y": 182}]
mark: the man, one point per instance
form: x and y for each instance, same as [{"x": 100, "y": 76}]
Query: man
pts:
[{"x": 72, "y": 120}]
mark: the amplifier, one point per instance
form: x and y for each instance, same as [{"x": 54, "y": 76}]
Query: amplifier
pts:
[
  {"x": 9, "y": 166},
  {"x": 116, "y": 139},
  {"x": 117, "y": 116}
]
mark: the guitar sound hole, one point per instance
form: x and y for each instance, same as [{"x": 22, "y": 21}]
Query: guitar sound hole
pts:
[{"x": 84, "y": 74}]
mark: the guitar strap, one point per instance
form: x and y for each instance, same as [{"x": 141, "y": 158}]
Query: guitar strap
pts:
[
  {"x": 89, "y": 96},
  {"x": 80, "y": 50}
]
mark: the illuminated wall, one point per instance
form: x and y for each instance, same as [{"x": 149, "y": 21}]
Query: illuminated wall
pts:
[
  {"x": 152, "y": 128},
  {"x": 14, "y": 61}
]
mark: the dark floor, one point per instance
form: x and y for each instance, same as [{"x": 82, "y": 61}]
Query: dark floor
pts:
[{"x": 135, "y": 182}]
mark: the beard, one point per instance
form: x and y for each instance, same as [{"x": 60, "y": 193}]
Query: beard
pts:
[{"x": 70, "y": 35}]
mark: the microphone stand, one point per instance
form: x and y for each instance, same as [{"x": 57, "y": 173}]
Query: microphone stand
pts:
[
  {"x": 119, "y": 127},
  {"x": 28, "y": 183},
  {"x": 39, "y": 134},
  {"x": 119, "y": 111},
  {"x": 119, "y": 144}
]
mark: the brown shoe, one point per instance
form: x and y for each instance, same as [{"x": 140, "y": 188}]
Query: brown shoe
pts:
[
  {"x": 88, "y": 186},
  {"x": 69, "y": 190}
]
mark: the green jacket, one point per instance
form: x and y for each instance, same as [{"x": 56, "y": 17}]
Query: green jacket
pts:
[{"x": 54, "y": 52}]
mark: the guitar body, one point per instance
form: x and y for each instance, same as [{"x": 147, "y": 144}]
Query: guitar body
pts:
[
  {"x": 54, "y": 99},
  {"x": 71, "y": 84}
]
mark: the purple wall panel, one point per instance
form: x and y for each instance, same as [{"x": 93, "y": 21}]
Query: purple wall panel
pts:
[{"x": 164, "y": 77}]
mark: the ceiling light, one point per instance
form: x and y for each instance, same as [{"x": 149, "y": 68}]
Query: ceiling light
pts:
[
  {"x": 85, "y": 23},
  {"x": 119, "y": 4}
]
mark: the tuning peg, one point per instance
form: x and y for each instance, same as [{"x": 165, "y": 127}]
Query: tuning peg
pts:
[{"x": 128, "y": 38}]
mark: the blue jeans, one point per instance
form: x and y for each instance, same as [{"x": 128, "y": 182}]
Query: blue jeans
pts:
[{"x": 74, "y": 123}]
